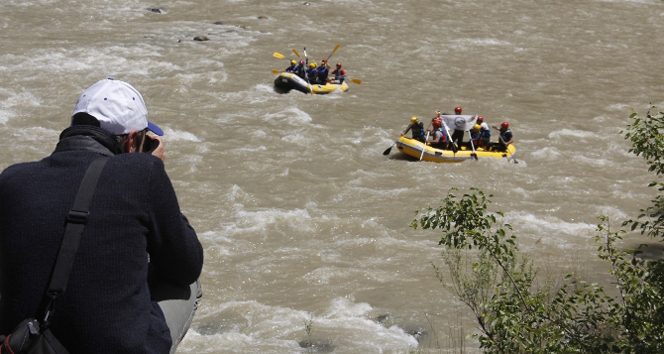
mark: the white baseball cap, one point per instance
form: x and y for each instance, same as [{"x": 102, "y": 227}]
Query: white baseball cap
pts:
[{"x": 118, "y": 107}]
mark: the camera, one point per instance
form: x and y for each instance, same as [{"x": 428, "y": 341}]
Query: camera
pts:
[{"x": 150, "y": 144}]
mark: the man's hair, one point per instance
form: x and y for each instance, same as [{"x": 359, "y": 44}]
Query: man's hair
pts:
[{"x": 83, "y": 118}]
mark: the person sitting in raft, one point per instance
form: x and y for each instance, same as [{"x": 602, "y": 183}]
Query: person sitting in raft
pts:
[
  {"x": 300, "y": 70},
  {"x": 439, "y": 140},
  {"x": 339, "y": 75},
  {"x": 435, "y": 119},
  {"x": 485, "y": 133},
  {"x": 505, "y": 137},
  {"x": 312, "y": 73},
  {"x": 475, "y": 137},
  {"x": 323, "y": 72},
  {"x": 291, "y": 68},
  {"x": 417, "y": 128}
]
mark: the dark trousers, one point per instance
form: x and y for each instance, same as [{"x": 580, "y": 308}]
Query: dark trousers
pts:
[{"x": 457, "y": 136}]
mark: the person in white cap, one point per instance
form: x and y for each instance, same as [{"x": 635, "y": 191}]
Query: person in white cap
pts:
[
  {"x": 119, "y": 109},
  {"x": 133, "y": 285}
]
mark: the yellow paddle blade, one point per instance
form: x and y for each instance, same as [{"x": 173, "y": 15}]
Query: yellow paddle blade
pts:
[
  {"x": 334, "y": 50},
  {"x": 278, "y": 55},
  {"x": 275, "y": 71},
  {"x": 296, "y": 53},
  {"x": 357, "y": 81}
]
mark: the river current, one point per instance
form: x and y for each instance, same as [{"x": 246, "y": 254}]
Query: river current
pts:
[{"x": 302, "y": 218}]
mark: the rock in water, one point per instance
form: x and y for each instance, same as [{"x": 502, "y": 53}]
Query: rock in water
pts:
[{"x": 158, "y": 10}]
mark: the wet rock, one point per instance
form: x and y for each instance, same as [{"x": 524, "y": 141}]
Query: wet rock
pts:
[
  {"x": 201, "y": 38},
  {"x": 317, "y": 347},
  {"x": 382, "y": 318},
  {"x": 417, "y": 333},
  {"x": 306, "y": 3},
  {"x": 157, "y": 10},
  {"x": 218, "y": 23},
  {"x": 262, "y": 17}
]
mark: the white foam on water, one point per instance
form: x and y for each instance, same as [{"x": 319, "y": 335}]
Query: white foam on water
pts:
[
  {"x": 291, "y": 115},
  {"x": 260, "y": 220},
  {"x": 555, "y": 230},
  {"x": 37, "y": 134},
  {"x": 22, "y": 99},
  {"x": 249, "y": 326},
  {"x": 479, "y": 42},
  {"x": 5, "y": 115},
  {"x": 572, "y": 133},
  {"x": 132, "y": 60},
  {"x": 179, "y": 135},
  {"x": 297, "y": 139},
  {"x": 548, "y": 153}
]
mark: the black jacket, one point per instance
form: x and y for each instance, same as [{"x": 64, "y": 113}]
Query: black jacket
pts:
[{"x": 134, "y": 216}]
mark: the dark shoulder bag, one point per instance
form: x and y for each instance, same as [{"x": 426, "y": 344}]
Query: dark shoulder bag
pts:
[{"x": 32, "y": 336}]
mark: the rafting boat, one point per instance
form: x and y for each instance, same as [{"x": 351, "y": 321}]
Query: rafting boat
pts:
[
  {"x": 288, "y": 81},
  {"x": 414, "y": 147}
]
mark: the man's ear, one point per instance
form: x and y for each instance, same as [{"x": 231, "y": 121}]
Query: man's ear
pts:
[{"x": 130, "y": 142}]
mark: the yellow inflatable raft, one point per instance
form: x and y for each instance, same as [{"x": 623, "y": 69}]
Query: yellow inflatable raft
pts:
[
  {"x": 288, "y": 81},
  {"x": 413, "y": 148}
]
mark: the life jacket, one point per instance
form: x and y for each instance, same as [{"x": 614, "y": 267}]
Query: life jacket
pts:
[
  {"x": 340, "y": 72},
  {"x": 418, "y": 130},
  {"x": 485, "y": 133},
  {"x": 322, "y": 74},
  {"x": 443, "y": 139},
  {"x": 475, "y": 136},
  {"x": 506, "y": 135}
]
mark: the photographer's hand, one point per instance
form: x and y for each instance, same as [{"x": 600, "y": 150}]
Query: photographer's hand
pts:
[{"x": 160, "y": 151}]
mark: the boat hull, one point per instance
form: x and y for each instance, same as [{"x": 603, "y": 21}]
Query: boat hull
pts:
[
  {"x": 413, "y": 148},
  {"x": 289, "y": 81}
]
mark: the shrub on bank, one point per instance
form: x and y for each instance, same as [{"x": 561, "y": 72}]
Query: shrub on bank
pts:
[{"x": 515, "y": 314}]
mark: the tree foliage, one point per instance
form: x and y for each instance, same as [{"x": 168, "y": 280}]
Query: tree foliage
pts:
[{"x": 516, "y": 314}]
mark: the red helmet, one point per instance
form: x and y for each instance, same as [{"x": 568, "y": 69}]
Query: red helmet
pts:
[
  {"x": 301, "y": 61},
  {"x": 324, "y": 61},
  {"x": 436, "y": 123},
  {"x": 480, "y": 119},
  {"x": 338, "y": 65},
  {"x": 457, "y": 110},
  {"x": 505, "y": 125}
]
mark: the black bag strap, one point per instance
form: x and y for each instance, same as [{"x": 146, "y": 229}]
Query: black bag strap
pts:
[{"x": 76, "y": 219}]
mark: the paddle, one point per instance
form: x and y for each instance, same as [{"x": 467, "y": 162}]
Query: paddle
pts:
[
  {"x": 387, "y": 152},
  {"x": 275, "y": 71},
  {"x": 279, "y": 56},
  {"x": 501, "y": 139},
  {"x": 472, "y": 145},
  {"x": 424, "y": 146},
  {"x": 455, "y": 149},
  {"x": 356, "y": 81},
  {"x": 335, "y": 49}
]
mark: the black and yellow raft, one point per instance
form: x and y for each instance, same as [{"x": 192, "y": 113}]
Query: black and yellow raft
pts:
[
  {"x": 288, "y": 81},
  {"x": 414, "y": 148}
]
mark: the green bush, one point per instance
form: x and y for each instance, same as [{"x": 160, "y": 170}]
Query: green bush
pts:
[{"x": 515, "y": 314}]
